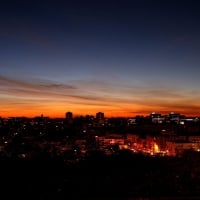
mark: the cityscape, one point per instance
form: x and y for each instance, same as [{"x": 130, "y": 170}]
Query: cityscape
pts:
[
  {"x": 100, "y": 99},
  {"x": 153, "y": 135},
  {"x": 89, "y": 154}
]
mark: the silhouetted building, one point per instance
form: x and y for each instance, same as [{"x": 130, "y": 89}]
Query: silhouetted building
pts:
[
  {"x": 69, "y": 115},
  {"x": 100, "y": 115},
  {"x": 174, "y": 117},
  {"x": 155, "y": 115},
  {"x": 156, "y": 118}
]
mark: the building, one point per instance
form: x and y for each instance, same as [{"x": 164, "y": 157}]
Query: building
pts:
[
  {"x": 157, "y": 118},
  {"x": 155, "y": 115},
  {"x": 100, "y": 118},
  {"x": 69, "y": 115},
  {"x": 177, "y": 148},
  {"x": 174, "y": 117},
  {"x": 99, "y": 115},
  {"x": 108, "y": 141}
]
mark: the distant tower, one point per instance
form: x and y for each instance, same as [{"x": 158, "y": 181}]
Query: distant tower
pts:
[
  {"x": 100, "y": 115},
  {"x": 69, "y": 115},
  {"x": 155, "y": 115},
  {"x": 174, "y": 117}
]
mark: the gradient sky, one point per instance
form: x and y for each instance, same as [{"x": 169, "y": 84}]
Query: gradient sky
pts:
[{"x": 121, "y": 57}]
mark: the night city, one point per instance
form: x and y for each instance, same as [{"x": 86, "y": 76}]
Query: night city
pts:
[{"x": 100, "y": 99}]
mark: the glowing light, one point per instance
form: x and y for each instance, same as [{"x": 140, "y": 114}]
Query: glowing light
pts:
[{"x": 156, "y": 148}]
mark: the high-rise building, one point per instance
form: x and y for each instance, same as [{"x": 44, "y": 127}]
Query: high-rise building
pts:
[
  {"x": 174, "y": 117},
  {"x": 157, "y": 118},
  {"x": 69, "y": 115},
  {"x": 155, "y": 115},
  {"x": 100, "y": 115}
]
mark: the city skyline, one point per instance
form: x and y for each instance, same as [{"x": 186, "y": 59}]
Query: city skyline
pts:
[{"x": 122, "y": 58}]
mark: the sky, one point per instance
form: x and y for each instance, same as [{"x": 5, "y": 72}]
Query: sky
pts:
[{"x": 120, "y": 57}]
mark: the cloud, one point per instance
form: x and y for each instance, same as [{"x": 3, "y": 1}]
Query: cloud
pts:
[
  {"x": 87, "y": 96},
  {"x": 44, "y": 90}
]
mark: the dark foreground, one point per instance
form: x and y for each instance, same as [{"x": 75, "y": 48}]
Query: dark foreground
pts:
[{"x": 101, "y": 177}]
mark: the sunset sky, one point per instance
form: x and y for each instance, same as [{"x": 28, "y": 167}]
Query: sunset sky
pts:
[{"x": 120, "y": 57}]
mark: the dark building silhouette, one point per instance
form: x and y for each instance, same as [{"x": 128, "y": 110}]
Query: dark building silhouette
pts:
[
  {"x": 174, "y": 117},
  {"x": 69, "y": 115},
  {"x": 155, "y": 115},
  {"x": 100, "y": 115}
]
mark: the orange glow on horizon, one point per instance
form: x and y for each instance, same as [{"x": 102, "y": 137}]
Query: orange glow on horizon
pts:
[
  {"x": 30, "y": 99},
  {"x": 76, "y": 112}
]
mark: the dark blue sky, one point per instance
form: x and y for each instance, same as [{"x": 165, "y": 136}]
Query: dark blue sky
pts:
[{"x": 113, "y": 51}]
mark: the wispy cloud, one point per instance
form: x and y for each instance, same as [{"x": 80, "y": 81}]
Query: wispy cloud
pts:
[
  {"x": 88, "y": 96},
  {"x": 43, "y": 89}
]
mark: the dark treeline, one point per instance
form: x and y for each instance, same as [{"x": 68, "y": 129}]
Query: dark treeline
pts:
[{"x": 120, "y": 176}]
